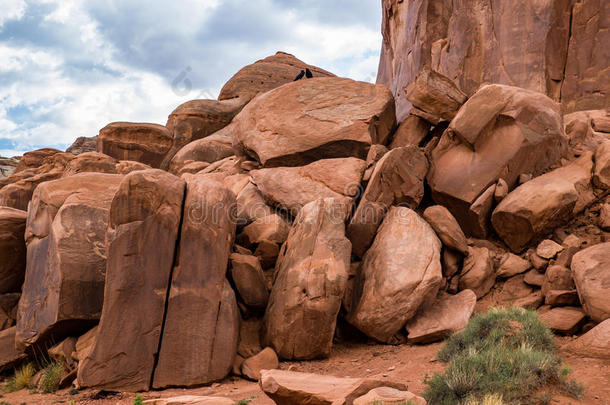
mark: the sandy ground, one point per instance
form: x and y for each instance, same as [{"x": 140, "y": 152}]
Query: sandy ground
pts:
[{"x": 406, "y": 364}]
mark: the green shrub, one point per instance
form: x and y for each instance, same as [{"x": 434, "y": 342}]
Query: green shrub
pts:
[
  {"x": 138, "y": 400},
  {"x": 503, "y": 356},
  {"x": 51, "y": 377},
  {"x": 22, "y": 378}
]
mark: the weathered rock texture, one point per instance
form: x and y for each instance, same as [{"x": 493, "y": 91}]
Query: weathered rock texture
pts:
[
  {"x": 400, "y": 271},
  {"x": 310, "y": 283},
  {"x": 66, "y": 258},
  {"x": 291, "y": 188},
  {"x": 591, "y": 272},
  {"x": 198, "y": 119},
  {"x": 538, "y": 206},
  {"x": 142, "y": 232},
  {"x": 398, "y": 179},
  {"x": 12, "y": 249},
  {"x": 314, "y": 119},
  {"x": 210, "y": 149},
  {"x": 555, "y": 47},
  {"x": 293, "y": 388},
  {"x": 201, "y": 328},
  {"x": 501, "y": 132},
  {"x": 144, "y": 143}
]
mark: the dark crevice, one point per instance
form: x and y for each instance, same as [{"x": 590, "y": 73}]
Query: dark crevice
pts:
[
  {"x": 565, "y": 65},
  {"x": 169, "y": 286}
]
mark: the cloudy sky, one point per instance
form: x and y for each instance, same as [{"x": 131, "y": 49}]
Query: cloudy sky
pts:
[{"x": 69, "y": 67}]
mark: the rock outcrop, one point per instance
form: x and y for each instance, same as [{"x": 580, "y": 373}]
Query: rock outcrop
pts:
[{"x": 554, "y": 47}]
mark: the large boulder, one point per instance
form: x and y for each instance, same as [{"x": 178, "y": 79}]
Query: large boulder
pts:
[
  {"x": 555, "y": 47},
  {"x": 310, "y": 283},
  {"x": 586, "y": 129},
  {"x": 34, "y": 159},
  {"x": 501, "y": 132},
  {"x": 400, "y": 272},
  {"x": 478, "y": 271},
  {"x": 398, "y": 179},
  {"x": 142, "y": 232},
  {"x": 264, "y": 75},
  {"x": 91, "y": 162},
  {"x": 449, "y": 314},
  {"x": 591, "y": 272},
  {"x": 291, "y": 188},
  {"x": 201, "y": 329},
  {"x": 540, "y": 205},
  {"x": 144, "y": 143},
  {"x": 312, "y": 119},
  {"x": 12, "y": 249},
  {"x": 209, "y": 150},
  {"x": 66, "y": 257},
  {"x": 294, "y": 388},
  {"x": 447, "y": 228},
  {"x": 198, "y": 119}
]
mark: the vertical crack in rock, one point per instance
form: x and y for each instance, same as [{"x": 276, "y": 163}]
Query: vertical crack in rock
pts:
[{"x": 169, "y": 287}]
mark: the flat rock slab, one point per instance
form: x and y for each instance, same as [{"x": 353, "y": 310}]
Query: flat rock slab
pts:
[
  {"x": 440, "y": 319},
  {"x": 191, "y": 400},
  {"x": 388, "y": 396},
  {"x": 313, "y": 119},
  {"x": 293, "y": 388},
  {"x": 564, "y": 320}
]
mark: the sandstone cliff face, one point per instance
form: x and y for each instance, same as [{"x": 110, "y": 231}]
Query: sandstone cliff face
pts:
[{"x": 555, "y": 47}]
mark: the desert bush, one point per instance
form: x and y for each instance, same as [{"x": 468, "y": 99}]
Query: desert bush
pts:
[
  {"x": 503, "y": 356},
  {"x": 138, "y": 400},
  {"x": 52, "y": 375},
  {"x": 22, "y": 378}
]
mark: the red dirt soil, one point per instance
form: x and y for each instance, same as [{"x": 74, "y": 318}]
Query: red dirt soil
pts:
[{"x": 406, "y": 363}]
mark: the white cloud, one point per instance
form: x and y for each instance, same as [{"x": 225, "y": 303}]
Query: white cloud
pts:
[
  {"x": 106, "y": 63},
  {"x": 12, "y": 10}
]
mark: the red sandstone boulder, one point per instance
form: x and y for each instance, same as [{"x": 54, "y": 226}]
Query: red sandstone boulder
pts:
[
  {"x": 441, "y": 318},
  {"x": 34, "y": 159},
  {"x": 311, "y": 277},
  {"x": 12, "y": 249},
  {"x": 478, "y": 271},
  {"x": 400, "y": 272},
  {"x": 293, "y": 388},
  {"x": 313, "y": 119},
  {"x": 601, "y": 174},
  {"x": 435, "y": 95},
  {"x": 447, "y": 228},
  {"x": 500, "y": 132},
  {"x": 249, "y": 280},
  {"x": 590, "y": 269},
  {"x": 586, "y": 129},
  {"x": 209, "y": 150},
  {"x": 66, "y": 257},
  {"x": 540, "y": 205},
  {"x": 291, "y": 188},
  {"x": 595, "y": 343},
  {"x": 264, "y": 75},
  {"x": 412, "y": 131},
  {"x": 144, "y": 143},
  {"x": 142, "y": 232},
  {"x": 201, "y": 329},
  {"x": 198, "y": 119},
  {"x": 90, "y": 162},
  {"x": 398, "y": 179}
]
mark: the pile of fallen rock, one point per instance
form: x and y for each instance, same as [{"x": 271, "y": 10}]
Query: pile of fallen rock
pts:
[{"x": 237, "y": 235}]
